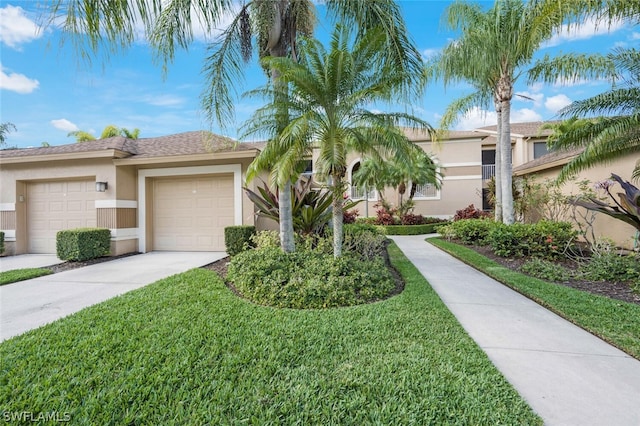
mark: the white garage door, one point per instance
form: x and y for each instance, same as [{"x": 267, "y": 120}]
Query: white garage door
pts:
[
  {"x": 57, "y": 205},
  {"x": 190, "y": 213}
]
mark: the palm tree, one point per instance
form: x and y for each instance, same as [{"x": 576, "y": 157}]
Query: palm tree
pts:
[
  {"x": 5, "y": 128},
  {"x": 109, "y": 131},
  {"x": 503, "y": 39},
  {"x": 275, "y": 24},
  {"x": 329, "y": 93},
  {"x": 377, "y": 174}
]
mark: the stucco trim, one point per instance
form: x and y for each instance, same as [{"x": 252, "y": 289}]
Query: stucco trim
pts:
[
  {"x": 9, "y": 235},
  {"x": 470, "y": 164},
  {"x": 469, "y": 177},
  {"x": 143, "y": 174},
  {"x": 116, "y": 204},
  {"x": 124, "y": 234},
  {"x": 7, "y": 207}
]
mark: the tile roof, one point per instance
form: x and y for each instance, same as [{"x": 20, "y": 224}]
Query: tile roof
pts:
[
  {"x": 553, "y": 158},
  {"x": 530, "y": 129},
  {"x": 415, "y": 135},
  {"x": 196, "y": 142}
]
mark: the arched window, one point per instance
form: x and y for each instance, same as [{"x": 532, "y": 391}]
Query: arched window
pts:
[{"x": 358, "y": 192}]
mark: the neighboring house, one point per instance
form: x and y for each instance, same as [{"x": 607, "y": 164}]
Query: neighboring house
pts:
[
  {"x": 547, "y": 167},
  {"x": 179, "y": 192},
  {"x": 175, "y": 192},
  {"x": 467, "y": 163}
]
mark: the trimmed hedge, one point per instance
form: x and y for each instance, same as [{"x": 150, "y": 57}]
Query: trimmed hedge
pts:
[
  {"x": 1, "y": 242},
  {"x": 83, "y": 243},
  {"x": 238, "y": 238},
  {"x": 429, "y": 228}
]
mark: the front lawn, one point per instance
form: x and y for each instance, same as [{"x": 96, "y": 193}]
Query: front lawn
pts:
[
  {"x": 186, "y": 350},
  {"x": 615, "y": 321},
  {"x": 15, "y": 275}
]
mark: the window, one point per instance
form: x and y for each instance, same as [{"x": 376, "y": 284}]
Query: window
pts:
[
  {"x": 427, "y": 190},
  {"x": 308, "y": 167},
  {"x": 539, "y": 149},
  {"x": 358, "y": 192}
]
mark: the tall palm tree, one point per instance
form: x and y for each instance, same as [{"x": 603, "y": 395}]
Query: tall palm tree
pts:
[
  {"x": 275, "y": 24},
  {"x": 329, "y": 94},
  {"x": 503, "y": 39},
  {"x": 109, "y": 131}
]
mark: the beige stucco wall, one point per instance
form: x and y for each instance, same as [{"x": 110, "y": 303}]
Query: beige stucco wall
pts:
[{"x": 604, "y": 226}]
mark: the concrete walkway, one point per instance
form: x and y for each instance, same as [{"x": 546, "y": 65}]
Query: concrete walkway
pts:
[
  {"x": 32, "y": 303},
  {"x": 21, "y": 261},
  {"x": 567, "y": 375}
]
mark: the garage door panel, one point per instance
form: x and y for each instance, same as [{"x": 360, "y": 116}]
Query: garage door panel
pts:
[
  {"x": 187, "y": 212},
  {"x": 55, "y": 206}
]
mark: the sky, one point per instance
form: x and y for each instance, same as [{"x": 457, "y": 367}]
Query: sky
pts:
[{"x": 47, "y": 92}]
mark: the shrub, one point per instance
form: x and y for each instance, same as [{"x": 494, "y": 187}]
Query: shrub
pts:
[
  {"x": 365, "y": 241},
  {"x": 83, "y": 243},
  {"x": 307, "y": 279},
  {"x": 265, "y": 239},
  {"x": 470, "y": 231},
  {"x": 238, "y": 238},
  {"x": 543, "y": 239},
  {"x": 612, "y": 267},
  {"x": 428, "y": 228},
  {"x": 412, "y": 219},
  {"x": 349, "y": 216},
  {"x": 545, "y": 270},
  {"x": 470, "y": 212},
  {"x": 1, "y": 242}
]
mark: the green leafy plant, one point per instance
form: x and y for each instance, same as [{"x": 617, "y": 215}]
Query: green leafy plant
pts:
[
  {"x": 1, "y": 242},
  {"x": 470, "y": 231},
  {"x": 613, "y": 267},
  {"x": 83, "y": 243},
  {"x": 544, "y": 239},
  {"x": 238, "y": 238},
  {"x": 470, "y": 212},
  {"x": 626, "y": 208},
  {"x": 311, "y": 208},
  {"x": 545, "y": 270}
]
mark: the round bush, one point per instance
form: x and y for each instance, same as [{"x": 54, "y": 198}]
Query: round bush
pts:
[{"x": 308, "y": 279}]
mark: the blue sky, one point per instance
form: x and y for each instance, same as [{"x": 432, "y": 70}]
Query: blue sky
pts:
[{"x": 47, "y": 92}]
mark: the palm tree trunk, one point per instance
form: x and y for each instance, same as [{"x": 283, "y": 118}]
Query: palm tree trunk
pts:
[
  {"x": 498, "y": 167},
  {"x": 337, "y": 216},
  {"x": 278, "y": 49},
  {"x": 505, "y": 166}
]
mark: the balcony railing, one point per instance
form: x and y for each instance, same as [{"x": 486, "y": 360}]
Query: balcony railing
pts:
[
  {"x": 488, "y": 171},
  {"x": 358, "y": 193}
]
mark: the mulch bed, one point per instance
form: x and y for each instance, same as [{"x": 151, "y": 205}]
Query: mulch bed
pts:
[
  {"x": 69, "y": 265},
  {"x": 613, "y": 290}
]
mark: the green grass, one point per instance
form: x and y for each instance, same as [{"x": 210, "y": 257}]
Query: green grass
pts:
[
  {"x": 185, "y": 350},
  {"x": 16, "y": 275},
  {"x": 615, "y": 321}
]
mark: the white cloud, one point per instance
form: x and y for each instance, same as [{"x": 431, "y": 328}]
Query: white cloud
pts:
[
  {"x": 525, "y": 96},
  {"x": 64, "y": 124},
  {"x": 16, "y": 28},
  {"x": 556, "y": 103},
  {"x": 635, "y": 36},
  {"x": 19, "y": 83},
  {"x": 165, "y": 100},
  {"x": 475, "y": 118},
  {"x": 589, "y": 28},
  {"x": 430, "y": 53},
  {"x": 565, "y": 82},
  {"x": 524, "y": 115}
]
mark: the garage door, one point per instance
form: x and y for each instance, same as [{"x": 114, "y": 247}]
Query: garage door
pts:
[
  {"x": 54, "y": 206},
  {"x": 190, "y": 213}
]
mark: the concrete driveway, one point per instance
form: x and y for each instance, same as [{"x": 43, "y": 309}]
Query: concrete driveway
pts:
[{"x": 30, "y": 304}]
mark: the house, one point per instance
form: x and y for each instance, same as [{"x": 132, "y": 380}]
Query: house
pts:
[
  {"x": 175, "y": 192},
  {"x": 179, "y": 192}
]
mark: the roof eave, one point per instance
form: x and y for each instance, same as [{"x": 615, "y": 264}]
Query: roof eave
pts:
[
  {"x": 228, "y": 155},
  {"x": 107, "y": 153}
]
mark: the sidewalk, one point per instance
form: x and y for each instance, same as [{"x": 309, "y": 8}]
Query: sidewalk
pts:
[{"x": 567, "y": 375}]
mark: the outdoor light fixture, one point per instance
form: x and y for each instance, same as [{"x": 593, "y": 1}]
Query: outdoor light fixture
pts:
[{"x": 101, "y": 186}]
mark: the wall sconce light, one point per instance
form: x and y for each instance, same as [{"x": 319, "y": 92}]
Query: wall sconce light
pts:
[{"x": 101, "y": 186}]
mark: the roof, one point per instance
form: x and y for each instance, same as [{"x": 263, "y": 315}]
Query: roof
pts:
[
  {"x": 187, "y": 143},
  {"x": 525, "y": 130},
  {"x": 416, "y": 135},
  {"x": 547, "y": 161}
]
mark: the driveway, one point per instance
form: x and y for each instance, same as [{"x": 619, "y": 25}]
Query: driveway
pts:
[{"x": 30, "y": 304}]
